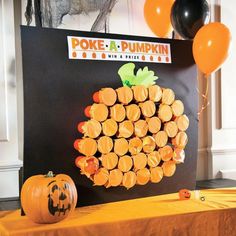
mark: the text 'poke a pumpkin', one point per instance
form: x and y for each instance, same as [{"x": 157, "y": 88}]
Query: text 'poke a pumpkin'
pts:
[{"x": 48, "y": 198}]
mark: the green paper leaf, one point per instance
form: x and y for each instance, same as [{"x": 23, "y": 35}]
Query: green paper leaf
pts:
[
  {"x": 143, "y": 76},
  {"x": 126, "y": 73}
]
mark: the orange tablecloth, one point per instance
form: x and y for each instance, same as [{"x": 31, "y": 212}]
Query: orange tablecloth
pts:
[{"x": 160, "y": 215}]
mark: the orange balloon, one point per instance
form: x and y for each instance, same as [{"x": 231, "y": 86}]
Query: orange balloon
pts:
[
  {"x": 157, "y": 16},
  {"x": 211, "y": 47}
]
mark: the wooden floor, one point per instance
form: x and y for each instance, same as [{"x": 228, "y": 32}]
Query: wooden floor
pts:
[
  {"x": 14, "y": 203},
  {"x": 9, "y": 204}
]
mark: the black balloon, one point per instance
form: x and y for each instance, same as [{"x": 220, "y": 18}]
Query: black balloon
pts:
[{"x": 188, "y": 16}]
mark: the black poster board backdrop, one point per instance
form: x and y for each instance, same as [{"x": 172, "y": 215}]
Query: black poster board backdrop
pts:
[{"x": 56, "y": 91}]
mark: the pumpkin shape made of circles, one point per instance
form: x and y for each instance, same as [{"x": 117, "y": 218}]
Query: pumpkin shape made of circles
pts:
[{"x": 133, "y": 136}]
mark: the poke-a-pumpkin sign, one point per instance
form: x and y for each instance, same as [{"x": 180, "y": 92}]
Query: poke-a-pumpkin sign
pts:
[{"x": 48, "y": 198}]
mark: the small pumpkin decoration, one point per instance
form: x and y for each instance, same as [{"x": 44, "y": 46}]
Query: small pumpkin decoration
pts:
[
  {"x": 184, "y": 194},
  {"x": 48, "y": 198}
]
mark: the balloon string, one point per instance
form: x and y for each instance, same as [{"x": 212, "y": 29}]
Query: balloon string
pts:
[
  {"x": 204, "y": 96},
  {"x": 173, "y": 34}
]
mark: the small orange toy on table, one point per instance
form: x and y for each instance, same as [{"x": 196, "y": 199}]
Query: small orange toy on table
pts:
[{"x": 184, "y": 194}]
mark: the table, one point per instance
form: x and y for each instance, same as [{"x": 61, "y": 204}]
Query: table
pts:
[{"x": 159, "y": 215}]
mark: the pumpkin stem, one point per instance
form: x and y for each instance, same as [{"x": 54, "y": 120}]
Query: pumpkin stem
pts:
[{"x": 49, "y": 174}]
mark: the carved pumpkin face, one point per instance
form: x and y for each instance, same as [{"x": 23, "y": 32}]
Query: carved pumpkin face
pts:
[
  {"x": 48, "y": 199},
  {"x": 59, "y": 198},
  {"x": 184, "y": 194}
]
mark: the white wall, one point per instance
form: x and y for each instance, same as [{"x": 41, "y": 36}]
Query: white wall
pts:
[
  {"x": 218, "y": 128},
  {"x": 9, "y": 155},
  {"x": 223, "y": 117}
]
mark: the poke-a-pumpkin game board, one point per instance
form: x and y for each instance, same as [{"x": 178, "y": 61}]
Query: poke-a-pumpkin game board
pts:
[{"x": 137, "y": 140}]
